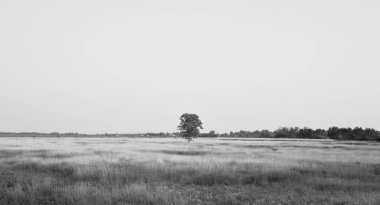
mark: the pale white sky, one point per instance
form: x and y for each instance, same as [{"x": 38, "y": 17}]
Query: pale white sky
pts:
[{"x": 135, "y": 66}]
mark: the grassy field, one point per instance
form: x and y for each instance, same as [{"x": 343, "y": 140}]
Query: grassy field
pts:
[{"x": 101, "y": 171}]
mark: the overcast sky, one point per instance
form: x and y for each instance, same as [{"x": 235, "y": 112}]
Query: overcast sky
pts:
[{"x": 135, "y": 66}]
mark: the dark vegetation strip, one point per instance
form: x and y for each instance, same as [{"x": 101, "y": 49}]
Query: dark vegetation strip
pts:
[
  {"x": 185, "y": 153},
  {"x": 336, "y": 133},
  {"x": 42, "y": 153},
  {"x": 126, "y": 173},
  {"x": 357, "y": 133}
]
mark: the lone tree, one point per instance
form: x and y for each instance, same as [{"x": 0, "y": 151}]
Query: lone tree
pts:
[{"x": 189, "y": 126}]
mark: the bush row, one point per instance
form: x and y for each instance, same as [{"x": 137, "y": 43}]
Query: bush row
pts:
[{"x": 357, "y": 133}]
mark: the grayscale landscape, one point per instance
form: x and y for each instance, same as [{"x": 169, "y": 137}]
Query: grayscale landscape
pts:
[{"x": 189, "y": 102}]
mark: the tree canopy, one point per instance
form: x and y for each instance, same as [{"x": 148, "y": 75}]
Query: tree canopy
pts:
[{"x": 189, "y": 126}]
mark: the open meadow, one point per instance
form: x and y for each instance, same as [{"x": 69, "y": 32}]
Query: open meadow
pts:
[{"x": 102, "y": 171}]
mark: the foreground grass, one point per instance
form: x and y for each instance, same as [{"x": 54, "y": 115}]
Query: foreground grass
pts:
[{"x": 198, "y": 173}]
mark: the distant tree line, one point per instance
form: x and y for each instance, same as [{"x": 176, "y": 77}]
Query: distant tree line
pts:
[
  {"x": 356, "y": 133},
  {"x": 210, "y": 134}
]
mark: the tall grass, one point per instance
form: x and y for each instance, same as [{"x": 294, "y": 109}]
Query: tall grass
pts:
[{"x": 203, "y": 172}]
